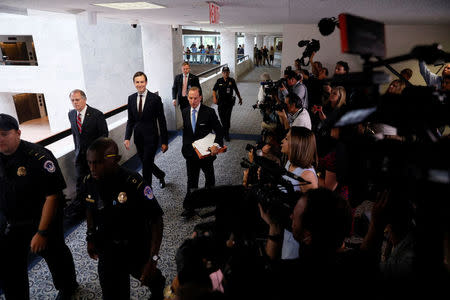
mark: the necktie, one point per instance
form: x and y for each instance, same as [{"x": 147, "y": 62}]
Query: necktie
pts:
[
  {"x": 183, "y": 93},
  {"x": 193, "y": 120},
  {"x": 79, "y": 122},
  {"x": 140, "y": 106}
]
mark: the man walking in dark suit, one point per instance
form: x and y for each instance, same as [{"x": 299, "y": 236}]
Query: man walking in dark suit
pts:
[
  {"x": 145, "y": 115},
  {"x": 87, "y": 124},
  {"x": 198, "y": 121},
  {"x": 181, "y": 85}
]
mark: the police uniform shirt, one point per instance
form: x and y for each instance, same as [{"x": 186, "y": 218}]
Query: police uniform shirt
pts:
[
  {"x": 30, "y": 175},
  {"x": 225, "y": 90},
  {"x": 122, "y": 205}
]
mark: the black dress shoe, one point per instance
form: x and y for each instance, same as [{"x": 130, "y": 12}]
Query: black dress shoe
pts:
[
  {"x": 162, "y": 183},
  {"x": 66, "y": 294},
  {"x": 188, "y": 213}
]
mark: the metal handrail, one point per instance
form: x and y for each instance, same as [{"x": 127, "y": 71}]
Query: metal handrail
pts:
[
  {"x": 10, "y": 62},
  {"x": 211, "y": 70},
  {"x": 242, "y": 58},
  {"x": 65, "y": 133}
]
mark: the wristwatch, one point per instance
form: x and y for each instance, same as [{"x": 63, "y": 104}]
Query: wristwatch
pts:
[{"x": 156, "y": 257}]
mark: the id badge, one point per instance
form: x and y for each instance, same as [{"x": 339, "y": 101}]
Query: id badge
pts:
[{"x": 228, "y": 90}]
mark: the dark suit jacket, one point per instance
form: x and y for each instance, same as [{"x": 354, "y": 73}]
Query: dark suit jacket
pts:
[
  {"x": 94, "y": 126},
  {"x": 207, "y": 122},
  {"x": 178, "y": 85},
  {"x": 146, "y": 128}
]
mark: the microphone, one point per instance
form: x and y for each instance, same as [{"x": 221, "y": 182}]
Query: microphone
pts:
[{"x": 326, "y": 25}]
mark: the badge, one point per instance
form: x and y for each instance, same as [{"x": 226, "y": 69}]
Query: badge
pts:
[
  {"x": 89, "y": 199},
  {"x": 148, "y": 192},
  {"x": 228, "y": 90},
  {"x": 49, "y": 166},
  {"x": 122, "y": 198},
  {"x": 21, "y": 171},
  {"x": 229, "y": 83}
]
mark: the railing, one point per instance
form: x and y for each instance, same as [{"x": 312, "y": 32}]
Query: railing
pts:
[
  {"x": 242, "y": 58},
  {"x": 202, "y": 74},
  {"x": 10, "y": 62},
  {"x": 202, "y": 57},
  {"x": 65, "y": 133}
]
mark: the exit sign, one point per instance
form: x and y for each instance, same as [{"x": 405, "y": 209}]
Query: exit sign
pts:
[{"x": 214, "y": 14}]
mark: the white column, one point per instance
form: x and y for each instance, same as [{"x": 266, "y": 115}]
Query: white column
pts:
[
  {"x": 162, "y": 52},
  {"x": 265, "y": 40},
  {"x": 229, "y": 48},
  {"x": 7, "y": 104},
  {"x": 271, "y": 42},
  {"x": 249, "y": 45},
  {"x": 259, "y": 41}
]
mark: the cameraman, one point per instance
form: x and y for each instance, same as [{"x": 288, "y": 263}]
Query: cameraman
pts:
[
  {"x": 295, "y": 85},
  {"x": 295, "y": 114}
]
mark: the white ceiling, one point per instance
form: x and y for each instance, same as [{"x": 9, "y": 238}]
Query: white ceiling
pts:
[{"x": 254, "y": 15}]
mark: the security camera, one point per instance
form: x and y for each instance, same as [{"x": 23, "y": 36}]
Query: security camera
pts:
[{"x": 134, "y": 25}]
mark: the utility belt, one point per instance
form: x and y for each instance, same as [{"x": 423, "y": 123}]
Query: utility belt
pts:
[
  {"x": 6, "y": 226},
  {"x": 227, "y": 100}
]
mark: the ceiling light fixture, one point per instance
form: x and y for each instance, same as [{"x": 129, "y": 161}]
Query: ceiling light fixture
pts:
[{"x": 130, "y": 5}]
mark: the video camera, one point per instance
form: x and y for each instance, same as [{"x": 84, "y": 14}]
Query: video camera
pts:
[
  {"x": 311, "y": 46},
  {"x": 270, "y": 104},
  {"x": 275, "y": 194}
]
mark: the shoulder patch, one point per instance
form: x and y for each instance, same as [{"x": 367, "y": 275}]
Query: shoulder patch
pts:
[
  {"x": 148, "y": 192},
  {"x": 49, "y": 166}
]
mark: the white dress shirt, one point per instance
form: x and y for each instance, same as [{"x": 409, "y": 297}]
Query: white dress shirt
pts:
[
  {"x": 144, "y": 95},
  {"x": 82, "y": 114}
]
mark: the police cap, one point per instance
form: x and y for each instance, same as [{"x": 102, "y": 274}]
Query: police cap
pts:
[
  {"x": 225, "y": 69},
  {"x": 7, "y": 122}
]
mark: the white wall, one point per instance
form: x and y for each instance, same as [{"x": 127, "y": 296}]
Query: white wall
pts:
[
  {"x": 58, "y": 52},
  {"x": 111, "y": 54},
  {"x": 243, "y": 68},
  {"x": 7, "y": 104},
  {"x": 400, "y": 39},
  {"x": 159, "y": 65}
]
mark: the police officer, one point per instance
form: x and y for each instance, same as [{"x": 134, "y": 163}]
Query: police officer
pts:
[
  {"x": 31, "y": 187},
  {"x": 223, "y": 90},
  {"x": 124, "y": 224}
]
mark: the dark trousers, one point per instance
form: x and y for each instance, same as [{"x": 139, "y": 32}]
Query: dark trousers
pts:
[
  {"x": 147, "y": 155},
  {"x": 193, "y": 166},
  {"x": 158, "y": 172},
  {"x": 184, "y": 102},
  {"x": 14, "y": 250},
  {"x": 225, "y": 117},
  {"x": 115, "y": 265},
  {"x": 77, "y": 209}
]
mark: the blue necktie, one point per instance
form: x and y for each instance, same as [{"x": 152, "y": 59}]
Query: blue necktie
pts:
[{"x": 193, "y": 120}]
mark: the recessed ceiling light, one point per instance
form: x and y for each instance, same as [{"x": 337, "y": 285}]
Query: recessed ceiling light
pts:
[{"x": 130, "y": 5}]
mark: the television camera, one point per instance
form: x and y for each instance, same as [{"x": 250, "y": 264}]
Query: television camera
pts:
[{"x": 311, "y": 46}]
